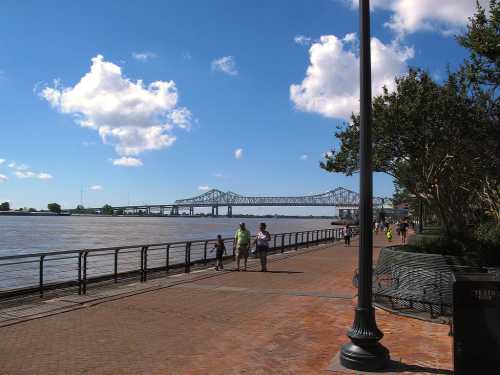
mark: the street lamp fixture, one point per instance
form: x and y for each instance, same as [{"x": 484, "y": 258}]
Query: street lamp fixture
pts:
[{"x": 364, "y": 352}]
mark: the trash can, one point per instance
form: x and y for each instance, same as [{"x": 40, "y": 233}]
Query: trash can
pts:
[{"x": 476, "y": 324}]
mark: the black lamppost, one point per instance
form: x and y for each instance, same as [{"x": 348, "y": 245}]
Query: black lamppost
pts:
[{"x": 364, "y": 352}]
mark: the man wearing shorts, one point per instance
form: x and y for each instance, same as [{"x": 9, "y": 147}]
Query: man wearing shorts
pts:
[{"x": 242, "y": 241}]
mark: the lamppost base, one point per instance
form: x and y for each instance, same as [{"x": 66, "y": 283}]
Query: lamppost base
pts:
[{"x": 364, "y": 357}]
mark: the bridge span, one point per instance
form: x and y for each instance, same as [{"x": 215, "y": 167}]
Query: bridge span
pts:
[{"x": 339, "y": 197}]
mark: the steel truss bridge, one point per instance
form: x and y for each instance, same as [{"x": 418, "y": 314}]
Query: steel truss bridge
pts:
[{"x": 339, "y": 197}]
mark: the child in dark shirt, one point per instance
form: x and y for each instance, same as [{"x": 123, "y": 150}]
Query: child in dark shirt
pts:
[{"x": 220, "y": 251}]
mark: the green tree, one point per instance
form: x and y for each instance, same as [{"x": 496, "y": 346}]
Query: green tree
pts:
[
  {"x": 107, "y": 209},
  {"x": 54, "y": 207},
  {"x": 482, "y": 39},
  {"x": 5, "y": 206},
  {"x": 80, "y": 208},
  {"x": 428, "y": 137}
]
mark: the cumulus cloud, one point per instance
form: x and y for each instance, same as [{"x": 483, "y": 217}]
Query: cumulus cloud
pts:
[
  {"x": 125, "y": 161},
  {"x": 143, "y": 56},
  {"x": 304, "y": 157},
  {"x": 2, "y": 161},
  {"x": 3, "y": 178},
  {"x": 331, "y": 85},
  {"x": 24, "y": 171},
  {"x": 34, "y": 175},
  {"x": 226, "y": 65},
  {"x": 409, "y": 16},
  {"x": 127, "y": 114},
  {"x": 302, "y": 40},
  {"x": 203, "y": 188},
  {"x": 96, "y": 187},
  {"x": 238, "y": 153},
  {"x": 19, "y": 167}
]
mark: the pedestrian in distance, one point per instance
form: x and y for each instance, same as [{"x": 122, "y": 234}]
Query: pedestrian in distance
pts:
[
  {"x": 262, "y": 246},
  {"x": 377, "y": 226},
  {"x": 242, "y": 243},
  {"x": 388, "y": 233},
  {"x": 403, "y": 227},
  {"x": 347, "y": 235},
  {"x": 220, "y": 251}
]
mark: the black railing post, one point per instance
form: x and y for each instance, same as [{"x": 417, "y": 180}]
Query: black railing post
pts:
[
  {"x": 274, "y": 247},
  {"x": 307, "y": 239},
  {"x": 187, "y": 256},
  {"x": 282, "y": 243},
  {"x": 167, "y": 258},
  {"x": 145, "y": 263},
  {"x": 80, "y": 273},
  {"x": 85, "y": 255},
  {"x": 296, "y": 240},
  {"x": 142, "y": 264},
  {"x": 205, "y": 252},
  {"x": 42, "y": 258},
  {"x": 116, "y": 266}
]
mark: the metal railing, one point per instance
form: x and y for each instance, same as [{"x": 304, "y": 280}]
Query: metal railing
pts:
[{"x": 38, "y": 273}]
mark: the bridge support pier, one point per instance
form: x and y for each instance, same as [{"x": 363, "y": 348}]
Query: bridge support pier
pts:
[
  {"x": 229, "y": 211},
  {"x": 191, "y": 211}
]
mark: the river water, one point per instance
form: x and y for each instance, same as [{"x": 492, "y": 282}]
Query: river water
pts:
[{"x": 28, "y": 234}]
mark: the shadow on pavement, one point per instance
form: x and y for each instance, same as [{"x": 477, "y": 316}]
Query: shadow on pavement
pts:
[{"x": 402, "y": 367}]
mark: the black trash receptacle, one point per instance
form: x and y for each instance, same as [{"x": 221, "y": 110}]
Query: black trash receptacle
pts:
[{"x": 476, "y": 324}]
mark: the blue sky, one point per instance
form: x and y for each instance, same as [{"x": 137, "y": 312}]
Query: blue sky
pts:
[{"x": 232, "y": 75}]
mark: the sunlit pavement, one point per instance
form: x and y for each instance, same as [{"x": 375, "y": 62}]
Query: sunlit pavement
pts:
[{"x": 291, "y": 320}]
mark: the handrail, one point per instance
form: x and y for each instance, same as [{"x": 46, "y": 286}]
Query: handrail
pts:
[{"x": 57, "y": 269}]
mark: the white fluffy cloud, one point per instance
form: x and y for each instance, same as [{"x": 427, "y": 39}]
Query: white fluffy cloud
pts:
[
  {"x": 203, "y": 188},
  {"x": 3, "y": 178},
  {"x": 35, "y": 175},
  {"x": 2, "y": 161},
  {"x": 331, "y": 85},
  {"x": 304, "y": 157},
  {"x": 226, "y": 64},
  {"x": 127, "y": 114},
  {"x": 96, "y": 187},
  {"x": 24, "y": 171},
  {"x": 125, "y": 161},
  {"x": 409, "y": 16},
  {"x": 238, "y": 153},
  {"x": 143, "y": 56}
]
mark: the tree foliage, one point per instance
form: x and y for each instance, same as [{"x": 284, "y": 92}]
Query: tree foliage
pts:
[
  {"x": 107, "y": 209},
  {"x": 5, "y": 206},
  {"x": 482, "y": 39},
  {"x": 54, "y": 207},
  {"x": 430, "y": 138}
]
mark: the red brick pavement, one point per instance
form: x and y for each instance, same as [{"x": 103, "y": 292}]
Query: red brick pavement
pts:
[{"x": 289, "y": 322}]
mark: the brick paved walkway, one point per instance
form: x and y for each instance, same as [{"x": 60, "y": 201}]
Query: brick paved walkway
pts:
[{"x": 289, "y": 321}]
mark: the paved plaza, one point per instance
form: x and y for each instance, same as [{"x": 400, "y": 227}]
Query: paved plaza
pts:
[{"x": 291, "y": 320}]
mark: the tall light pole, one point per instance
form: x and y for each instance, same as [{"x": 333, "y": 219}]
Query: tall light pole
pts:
[{"x": 364, "y": 352}]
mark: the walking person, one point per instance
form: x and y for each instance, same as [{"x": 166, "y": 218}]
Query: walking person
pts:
[
  {"x": 220, "y": 251},
  {"x": 388, "y": 233},
  {"x": 347, "y": 235},
  {"x": 403, "y": 227},
  {"x": 262, "y": 246},
  {"x": 242, "y": 242}
]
